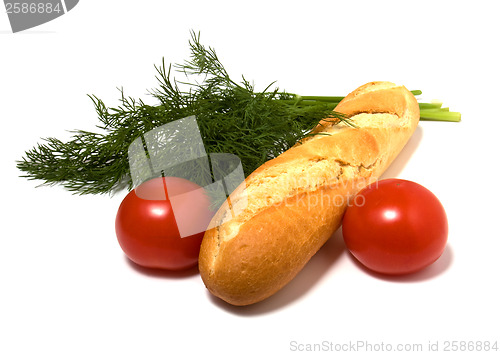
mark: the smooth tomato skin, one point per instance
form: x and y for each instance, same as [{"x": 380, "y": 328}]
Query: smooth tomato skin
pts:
[
  {"x": 396, "y": 227},
  {"x": 147, "y": 231}
]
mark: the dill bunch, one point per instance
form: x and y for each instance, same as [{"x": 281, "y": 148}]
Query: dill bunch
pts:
[{"x": 232, "y": 118}]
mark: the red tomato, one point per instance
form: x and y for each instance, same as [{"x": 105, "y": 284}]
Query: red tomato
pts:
[
  {"x": 147, "y": 229},
  {"x": 395, "y": 226}
]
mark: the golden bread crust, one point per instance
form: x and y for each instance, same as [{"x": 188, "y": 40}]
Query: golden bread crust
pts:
[{"x": 296, "y": 201}]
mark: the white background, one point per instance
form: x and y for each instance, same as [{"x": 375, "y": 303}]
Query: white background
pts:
[{"x": 65, "y": 285}]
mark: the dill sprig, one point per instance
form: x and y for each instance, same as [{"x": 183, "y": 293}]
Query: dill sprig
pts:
[{"x": 232, "y": 118}]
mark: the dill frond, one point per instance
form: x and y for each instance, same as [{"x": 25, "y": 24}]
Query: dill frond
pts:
[{"x": 232, "y": 118}]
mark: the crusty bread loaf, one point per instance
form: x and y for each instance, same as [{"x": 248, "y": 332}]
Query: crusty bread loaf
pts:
[{"x": 295, "y": 202}]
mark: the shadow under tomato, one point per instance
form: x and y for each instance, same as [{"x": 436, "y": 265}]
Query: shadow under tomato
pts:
[
  {"x": 309, "y": 276},
  {"x": 161, "y": 273},
  {"x": 431, "y": 271}
]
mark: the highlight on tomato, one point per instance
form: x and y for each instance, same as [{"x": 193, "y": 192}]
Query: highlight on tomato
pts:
[
  {"x": 148, "y": 220},
  {"x": 400, "y": 228}
]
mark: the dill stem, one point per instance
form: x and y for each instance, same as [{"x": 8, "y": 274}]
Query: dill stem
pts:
[
  {"x": 429, "y": 111},
  {"x": 441, "y": 109},
  {"x": 431, "y": 115},
  {"x": 430, "y": 105},
  {"x": 335, "y": 98},
  {"x": 321, "y": 98}
]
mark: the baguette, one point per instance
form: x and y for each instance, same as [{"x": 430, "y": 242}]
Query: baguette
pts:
[{"x": 295, "y": 202}]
